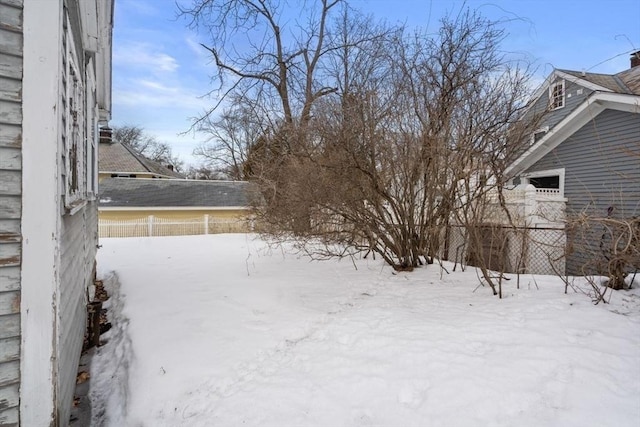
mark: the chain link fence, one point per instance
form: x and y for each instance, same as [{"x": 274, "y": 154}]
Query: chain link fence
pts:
[{"x": 538, "y": 250}]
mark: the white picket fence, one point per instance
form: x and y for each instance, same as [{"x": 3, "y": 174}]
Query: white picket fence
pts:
[{"x": 155, "y": 226}]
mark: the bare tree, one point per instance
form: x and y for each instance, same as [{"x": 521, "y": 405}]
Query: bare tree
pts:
[
  {"x": 425, "y": 123},
  {"x": 378, "y": 137},
  {"x": 232, "y": 138},
  {"x": 203, "y": 172},
  {"x": 280, "y": 75},
  {"x": 279, "y": 60},
  {"x": 147, "y": 145}
]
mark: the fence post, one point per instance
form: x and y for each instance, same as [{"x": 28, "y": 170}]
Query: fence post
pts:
[
  {"x": 206, "y": 223},
  {"x": 150, "y": 225},
  {"x": 529, "y": 204}
]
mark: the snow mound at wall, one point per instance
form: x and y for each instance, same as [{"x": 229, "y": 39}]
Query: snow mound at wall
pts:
[{"x": 110, "y": 366}]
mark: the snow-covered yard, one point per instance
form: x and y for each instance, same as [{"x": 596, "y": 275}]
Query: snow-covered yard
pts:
[{"x": 224, "y": 331}]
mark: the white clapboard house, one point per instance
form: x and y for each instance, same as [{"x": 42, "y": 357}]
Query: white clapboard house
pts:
[{"x": 55, "y": 93}]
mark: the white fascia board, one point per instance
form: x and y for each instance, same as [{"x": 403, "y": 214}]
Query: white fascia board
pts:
[
  {"x": 171, "y": 208},
  {"x": 557, "y": 74},
  {"x": 103, "y": 58},
  {"x": 543, "y": 88},
  {"x": 130, "y": 173},
  {"x": 89, "y": 24},
  {"x": 619, "y": 101},
  {"x": 40, "y": 210},
  {"x": 582, "y": 82},
  {"x": 139, "y": 175},
  {"x": 195, "y": 181},
  {"x": 587, "y": 111}
]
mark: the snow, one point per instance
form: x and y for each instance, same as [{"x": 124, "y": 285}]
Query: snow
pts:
[{"x": 224, "y": 330}]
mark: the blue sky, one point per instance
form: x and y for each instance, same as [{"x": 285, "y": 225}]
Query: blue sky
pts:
[{"x": 161, "y": 73}]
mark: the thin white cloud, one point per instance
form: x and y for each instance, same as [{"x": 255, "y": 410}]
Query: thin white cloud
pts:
[
  {"x": 204, "y": 57},
  {"x": 145, "y": 56},
  {"x": 149, "y": 84},
  {"x": 140, "y": 7},
  {"x": 174, "y": 98}
]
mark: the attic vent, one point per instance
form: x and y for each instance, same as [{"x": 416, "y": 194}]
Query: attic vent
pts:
[{"x": 106, "y": 134}]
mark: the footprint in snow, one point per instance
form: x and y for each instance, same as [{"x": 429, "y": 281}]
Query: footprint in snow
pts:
[{"x": 413, "y": 393}]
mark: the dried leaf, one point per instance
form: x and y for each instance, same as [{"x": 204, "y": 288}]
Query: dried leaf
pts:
[{"x": 82, "y": 377}]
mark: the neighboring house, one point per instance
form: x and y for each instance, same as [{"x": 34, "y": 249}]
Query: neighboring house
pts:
[
  {"x": 168, "y": 203},
  {"x": 120, "y": 160},
  {"x": 55, "y": 90},
  {"x": 587, "y": 152}
]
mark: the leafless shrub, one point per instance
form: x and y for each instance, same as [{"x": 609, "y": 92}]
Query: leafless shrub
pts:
[
  {"x": 611, "y": 246},
  {"x": 371, "y": 138}
]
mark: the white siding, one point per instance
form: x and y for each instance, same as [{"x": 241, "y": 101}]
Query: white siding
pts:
[
  {"x": 10, "y": 203},
  {"x": 56, "y": 272},
  {"x": 78, "y": 251}
]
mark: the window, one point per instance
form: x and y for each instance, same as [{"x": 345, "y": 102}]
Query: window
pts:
[
  {"x": 547, "y": 182},
  {"x": 556, "y": 95},
  {"x": 551, "y": 182},
  {"x": 72, "y": 121},
  {"x": 78, "y": 123},
  {"x": 91, "y": 132}
]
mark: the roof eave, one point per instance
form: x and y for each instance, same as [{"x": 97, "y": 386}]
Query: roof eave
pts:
[
  {"x": 588, "y": 110},
  {"x": 544, "y": 87},
  {"x": 160, "y": 176},
  {"x": 172, "y": 208}
]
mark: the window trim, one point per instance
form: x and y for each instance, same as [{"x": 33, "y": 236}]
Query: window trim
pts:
[
  {"x": 73, "y": 122},
  {"x": 78, "y": 134},
  {"x": 92, "y": 133},
  {"x": 553, "y": 97}
]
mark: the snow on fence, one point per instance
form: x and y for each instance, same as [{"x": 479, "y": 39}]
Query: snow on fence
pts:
[{"x": 152, "y": 226}]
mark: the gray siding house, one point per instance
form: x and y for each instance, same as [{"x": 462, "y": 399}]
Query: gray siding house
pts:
[
  {"x": 588, "y": 152},
  {"x": 55, "y": 86}
]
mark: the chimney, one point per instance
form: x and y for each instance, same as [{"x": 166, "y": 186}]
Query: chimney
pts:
[
  {"x": 170, "y": 167},
  {"x": 106, "y": 134},
  {"x": 635, "y": 59}
]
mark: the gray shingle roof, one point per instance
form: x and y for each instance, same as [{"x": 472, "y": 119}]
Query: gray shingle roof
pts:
[
  {"x": 120, "y": 158},
  {"x": 631, "y": 79},
  {"x": 627, "y": 81},
  {"x": 149, "y": 192}
]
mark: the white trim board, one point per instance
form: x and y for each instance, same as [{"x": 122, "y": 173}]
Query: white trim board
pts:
[
  {"x": 584, "y": 113},
  {"x": 171, "y": 208},
  {"x": 40, "y": 210},
  {"x": 558, "y": 74}
]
